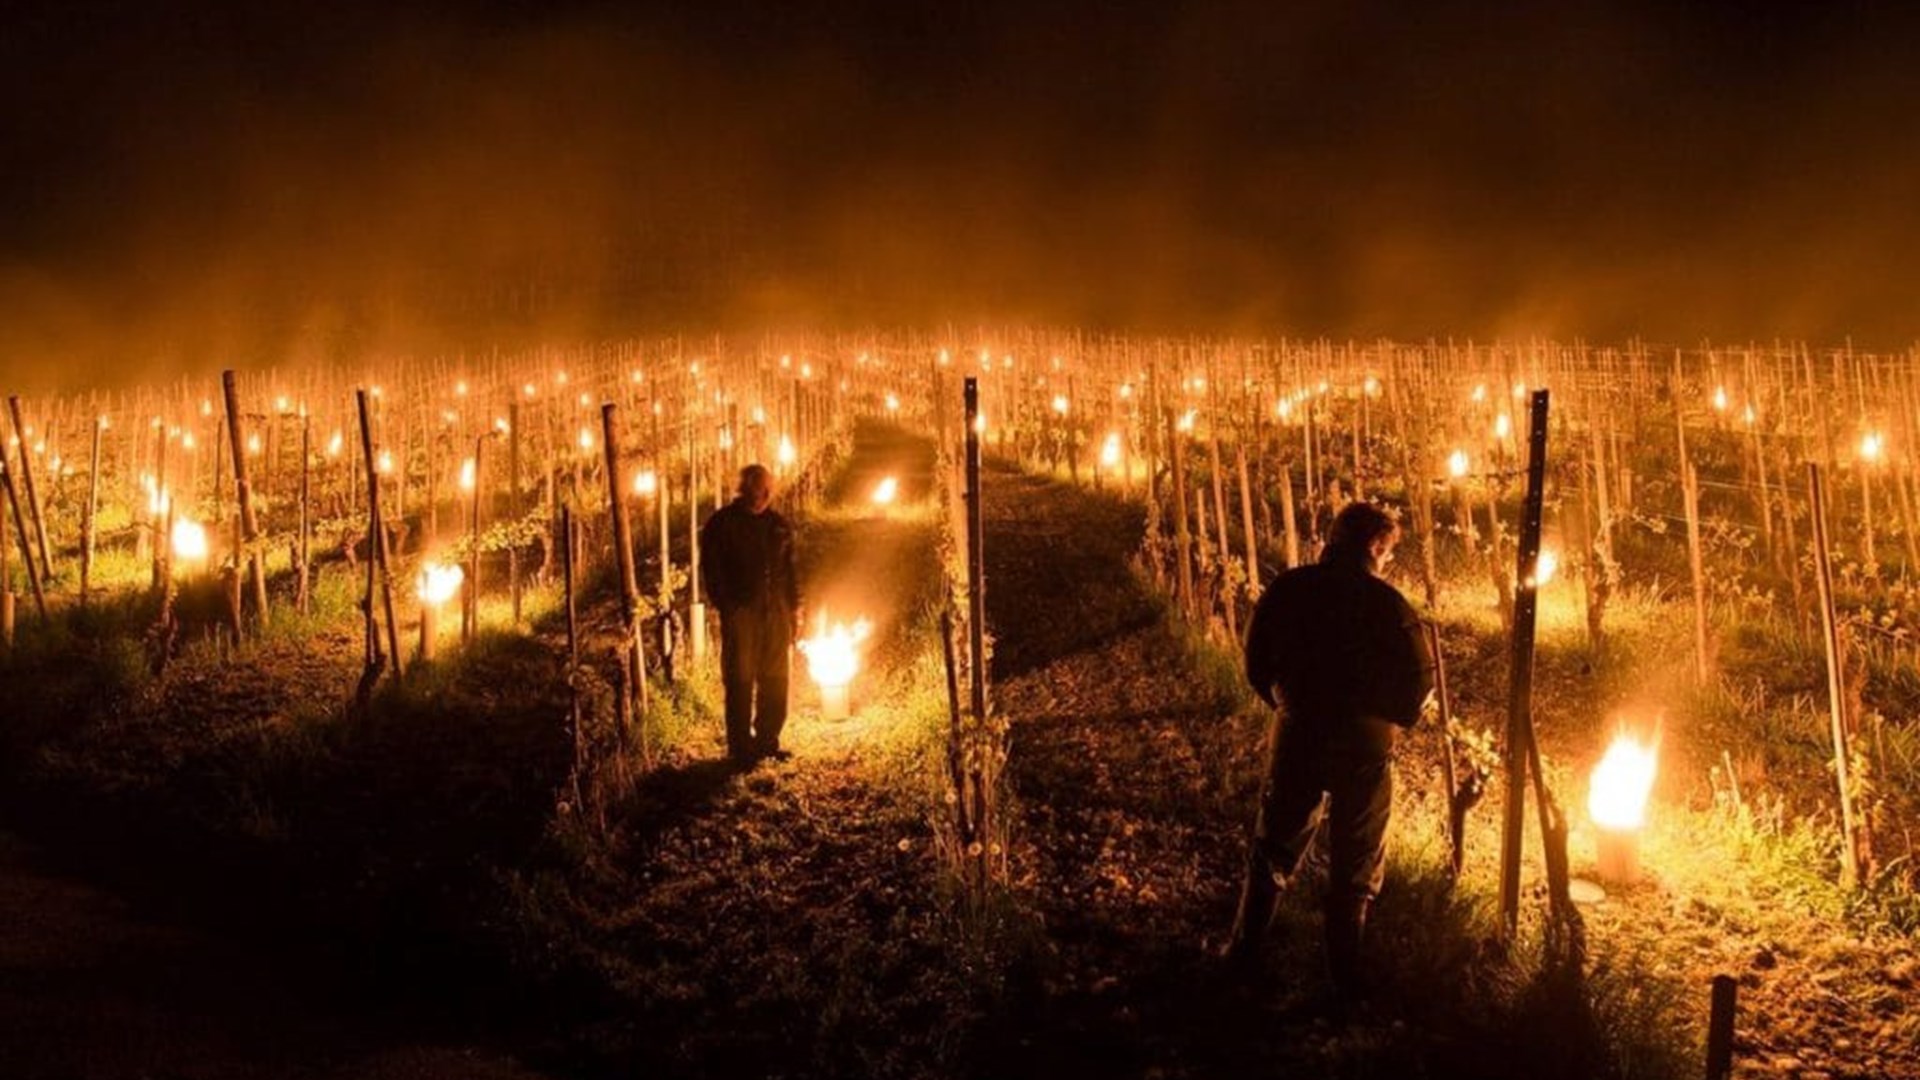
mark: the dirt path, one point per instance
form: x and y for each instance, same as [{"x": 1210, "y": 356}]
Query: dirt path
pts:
[
  {"x": 786, "y": 921},
  {"x": 1133, "y": 778},
  {"x": 91, "y": 989}
]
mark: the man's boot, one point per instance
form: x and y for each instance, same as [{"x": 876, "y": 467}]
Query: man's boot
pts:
[{"x": 1346, "y": 929}]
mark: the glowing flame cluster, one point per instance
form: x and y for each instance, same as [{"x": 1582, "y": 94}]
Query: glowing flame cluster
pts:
[
  {"x": 886, "y": 491},
  {"x": 1622, "y": 782},
  {"x": 1545, "y": 564},
  {"x": 439, "y": 582},
  {"x": 189, "y": 540},
  {"x": 833, "y": 652},
  {"x": 1872, "y": 445}
]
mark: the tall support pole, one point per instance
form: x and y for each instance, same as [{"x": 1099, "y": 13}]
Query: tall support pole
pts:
[
  {"x": 377, "y": 553},
  {"x": 1520, "y": 667},
  {"x": 622, "y": 543},
  {"x": 470, "y": 612},
  {"x": 26, "y": 546},
  {"x": 303, "y": 553},
  {"x": 243, "y": 491},
  {"x": 26, "y": 477},
  {"x": 513, "y": 503},
  {"x": 1182, "y": 532},
  {"x": 976, "y": 563},
  {"x": 976, "y": 588},
  {"x": 89, "y": 526},
  {"x": 1855, "y": 855}
]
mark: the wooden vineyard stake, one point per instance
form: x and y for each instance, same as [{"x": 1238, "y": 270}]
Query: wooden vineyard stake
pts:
[
  {"x": 1720, "y": 1027},
  {"x": 1246, "y": 518},
  {"x": 576, "y": 723},
  {"x": 303, "y": 553},
  {"x": 470, "y": 607},
  {"x": 6, "y": 572},
  {"x": 377, "y": 553},
  {"x": 513, "y": 502},
  {"x": 1182, "y": 534},
  {"x": 89, "y": 523},
  {"x": 255, "y": 560},
  {"x": 1520, "y": 666},
  {"x": 1290, "y": 523},
  {"x": 26, "y": 543},
  {"x": 1458, "y": 798},
  {"x": 976, "y": 608},
  {"x": 33, "y": 495},
  {"x": 1856, "y": 854},
  {"x": 956, "y": 747},
  {"x": 1696, "y": 565},
  {"x": 622, "y": 547}
]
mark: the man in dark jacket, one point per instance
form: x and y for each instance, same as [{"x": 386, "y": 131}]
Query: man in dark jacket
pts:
[
  {"x": 1341, "y": 652},
  {"x": 746, "y": 549}
]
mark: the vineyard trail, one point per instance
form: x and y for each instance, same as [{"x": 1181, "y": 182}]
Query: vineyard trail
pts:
[{"x": 1134, "y": 774}]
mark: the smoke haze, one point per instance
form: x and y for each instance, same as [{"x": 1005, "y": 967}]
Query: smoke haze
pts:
[{"x": 195, "y": 185}]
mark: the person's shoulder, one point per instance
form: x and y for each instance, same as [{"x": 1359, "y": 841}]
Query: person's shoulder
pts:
[{"x": 1384, "y": 592}]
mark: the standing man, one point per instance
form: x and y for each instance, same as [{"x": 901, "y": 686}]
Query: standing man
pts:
[
  {"x": 1341, "y": 653},
  {"x": 746, "y": 551}
]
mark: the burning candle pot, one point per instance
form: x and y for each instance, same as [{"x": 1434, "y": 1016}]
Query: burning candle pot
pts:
[
  {"x": 438, "y": 583},
  {"x": 833, "y": 659},
  {"x": 1617, "y": 803}
]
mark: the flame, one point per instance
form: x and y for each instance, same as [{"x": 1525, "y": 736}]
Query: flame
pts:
[
  {"x": 1110, "y": 451},
  {"x": 1457, "y": 464},
  {"x": 1502, "y": 426},
  {"x": 886, "y": 491},
  {"x": 1622, "y": 781},
  {"x": 786, "y": 454},
  {"x": 645, "y": 483},
  {"x": 467, "y": 470},
  {"x": 833, "y": 652},
  {"x": 189, "y": 540},
  {"x": 439, "y": 582},
  {"x": 1871, "y": 446},
  {"x": 1060, "y": 404},
  {"x": 1544, "y": 566}
]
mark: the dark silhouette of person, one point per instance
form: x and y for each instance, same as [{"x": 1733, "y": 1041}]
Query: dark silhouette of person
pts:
[
  {"x": 1341, "y": 653},
  {"x": 746, "y": 549}
]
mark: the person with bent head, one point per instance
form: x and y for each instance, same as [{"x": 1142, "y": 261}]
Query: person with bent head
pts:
[{"x": 746, "y": 549}]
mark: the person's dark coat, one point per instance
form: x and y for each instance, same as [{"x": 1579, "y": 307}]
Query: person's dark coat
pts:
[
  {"x": 1341, "y": 649},
  {"x": 747, "y": 560}
]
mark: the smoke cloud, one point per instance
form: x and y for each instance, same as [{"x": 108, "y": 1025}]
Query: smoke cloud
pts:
[{"x": 234, "y": 183}]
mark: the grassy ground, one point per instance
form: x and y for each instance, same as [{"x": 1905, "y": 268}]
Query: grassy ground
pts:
[
  {"x": 1135, "y": 759},
  {"x": 793, "y": 920},
  {"x": 433, "y": 864}
]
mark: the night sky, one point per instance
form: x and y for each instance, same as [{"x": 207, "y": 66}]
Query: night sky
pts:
[{"x": 194, "y": 184}]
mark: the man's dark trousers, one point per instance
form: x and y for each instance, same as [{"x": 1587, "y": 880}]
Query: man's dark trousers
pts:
[
  {"x": 755, "y": 641},
  {"x": 1343, "y": 779}
]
